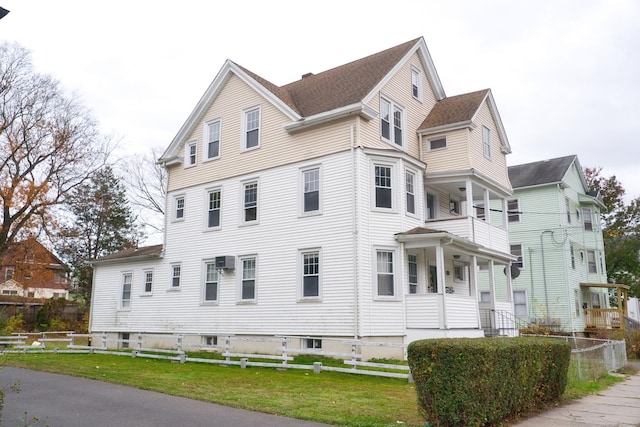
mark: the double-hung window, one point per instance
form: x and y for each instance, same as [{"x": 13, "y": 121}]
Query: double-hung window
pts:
[
  {"x": 176, "y": 270},
  {"x": 211, "y": 280},
  {"x": 520, "y": 303},
  {"x": 486, "y": 142},
  {"x": 591, "y": 262},
  {"x": 250, "y": 202},
  {"x": 190, "y": 154},
  {"x": 311, "y": 190},
  {"x": 248, "y": 279},
  {"x": 586, "y": 219},
  {"x": 391, "y": 122},
  {"x": 383, "y": 196},
  {"x": 310, "y": 274},
  {"x": 413, "y": 273},
  {"x": 410, "y": 184},
  {"x": 416, "y": 83},
  {"x": 384, "y": 272},
  {"x": 178, "y": 208},
  {"x": 148, "y": 281},
  {"x": 252, "y": 128},
  {"x": 127, "y": 279},
  {"x": 213, "y": 140},
  {"x": 567, "y": 204},
  {"x": 432, "y": 206},
  {"x": 513, "y": 210},
  {"x": 516, "y": 250},
  {"x": 214, "y": 204}
]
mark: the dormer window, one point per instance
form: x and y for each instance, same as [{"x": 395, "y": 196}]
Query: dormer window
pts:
[
  {"x": 438, "y": 143},
  {"x": 486, "y": 142},
  {"x": 416, "y": 83},
  {"x": 190, "y": 154},
  {"x": 252, "y": 128}
]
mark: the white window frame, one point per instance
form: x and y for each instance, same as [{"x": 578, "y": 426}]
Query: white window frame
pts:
[
  {"x": 416, "y": 83},
  {"x": 480, "y": 211},
  {"x": 179, "y": 212},
  {"x": 513, "y": 215},
  {"x": 312, "y": 343},
  {"x": 524, "y": 304},
  {"x": 303, "y": 190},
  {"x": 145, "y": 281},
  {"x": 206, "y": 280},
  {"x": 592, "y": 263},
  {"x": 246, "y": 129},
  {"x": 413, "y": 279},
  {"x": 410, "y": 191},
  {"x": 247, "y": 205},
  {"x": 567, "y": 203},
  {"x": 392, "y": 122},
  {"x": 209, "y": 208},
  {"x": 454, "y": 205},
  {"x": 459, "y": 272},
  {"x": 572, "y": 256},
  {"x": 486, "y": 142},
  {"x": 126, "y": 288},
  {"x": 174, "y": 268},
  {"x": 302, "y": 256},
  {"x": 438, "y": 139},
  {"x": 190, "y": 154},
  {"x": 242, "y": 278},
  {"x": 520, "y": 261},
  {"x": 208, "y": 141},
  {"x": 8, "y": 273},
  {"x": 587, "y": 219},
  {"x": 378, "y": 271},
  {"x": 375, "y": 186}
]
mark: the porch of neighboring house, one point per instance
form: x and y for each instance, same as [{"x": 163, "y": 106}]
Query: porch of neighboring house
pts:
[{"x": 615, "y": 318}]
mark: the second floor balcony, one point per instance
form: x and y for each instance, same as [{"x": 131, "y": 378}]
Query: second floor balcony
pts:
[{"x": 475, "y": 230}]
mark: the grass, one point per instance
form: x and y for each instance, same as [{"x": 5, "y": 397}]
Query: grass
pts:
[{"x": 329, "y": 397}]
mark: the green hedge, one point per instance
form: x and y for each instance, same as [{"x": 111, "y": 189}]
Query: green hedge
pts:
[{"x": 482, "y": 381}]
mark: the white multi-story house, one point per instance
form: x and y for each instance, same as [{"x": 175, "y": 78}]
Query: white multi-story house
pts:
[{"x": 341, "y": 205}]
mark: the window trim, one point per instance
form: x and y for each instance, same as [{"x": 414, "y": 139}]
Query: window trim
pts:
[
  {"x": 393, "y": 108},
  {"x": 454, "y": 205},
  {"x": 374, "y": 187},
  {"x": 591, "y": 263},
  {"x": 172, "y": 276},
  {"x": 174, "y": 214},
  {"x": 207, "y": 141},
  {"x": 413, "y": 285},
  {"x": 437, "y": 139},
  {"x": 486, "y": 143},
  {"x": 520, "y": 261},
  {"x": 416, "y": 81},
  {"x": 122, "y": 306},
  {"x": 526, "y": 302},
  {"x": 517, "y": 211},
  {"x": 436, "y": 205},
  {"x": 301, "y": 274},
  {"x": 459, "y": 266},
  {"x": 146, "y": 271},
  {"x": 587, "y": 219},
  {"x": 190, "y": 158},
  {"x": 243, "y": 210},
  {"x": 414, "y": 193},
  {"x": 245, "y": 130},
  {"x": 205, "y": 280},
  {"x": 208, "y": 209},
  {"x": 393, "y": 274},
  {"x": 302, "y": 175},
  {"x": 241, "y": 279}
]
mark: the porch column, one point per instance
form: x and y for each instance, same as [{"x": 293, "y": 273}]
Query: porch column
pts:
[
  {"x": 509, "y": 286},
  {"x": 487, "y": 210},
  {"x": 441, "y": 288},
  {"x": 468, "y": 194},
  {"x": 505, "y": 216},
  {"x": 473, "y": 285},
  {"x": 492, "y": 284}
]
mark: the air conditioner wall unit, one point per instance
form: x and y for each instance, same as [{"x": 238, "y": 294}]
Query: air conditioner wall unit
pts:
[{"x": 226, "y": 262}]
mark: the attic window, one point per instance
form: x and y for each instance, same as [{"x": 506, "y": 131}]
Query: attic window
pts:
[
  {"x": 416, "y": 83},
  {"x": 391, "y": 122},
  {"x": 438, "y": 143}
]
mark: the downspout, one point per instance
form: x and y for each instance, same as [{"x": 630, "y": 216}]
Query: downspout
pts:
[
  {"x": 570, "y": 307},
  {"x": 544, "y": 274},
  {"x": 533, "y": 288},
  {"x": 354, "y": 208}
]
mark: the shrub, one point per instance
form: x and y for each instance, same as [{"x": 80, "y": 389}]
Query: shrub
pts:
[{"x": 484, "y": 381}]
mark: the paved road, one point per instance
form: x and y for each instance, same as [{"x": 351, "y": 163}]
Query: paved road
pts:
[{"x": 64, "y": 401}]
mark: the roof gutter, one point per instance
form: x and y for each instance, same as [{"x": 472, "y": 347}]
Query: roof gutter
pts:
[
  {"x": 126, "y": 259},
  {"x": 359, "y": 109},
  {"x": 448, "y": 127}
]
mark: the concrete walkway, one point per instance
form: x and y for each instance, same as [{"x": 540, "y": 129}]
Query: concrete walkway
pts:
[{"x": 618, "y": 406}]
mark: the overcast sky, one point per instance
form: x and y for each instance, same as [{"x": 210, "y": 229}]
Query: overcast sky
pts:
[{"x": 565, "y": 74}]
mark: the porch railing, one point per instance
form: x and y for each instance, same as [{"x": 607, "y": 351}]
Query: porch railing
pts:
[
  {"x": 603, "y": 318},
  {"x": 500, "y": 322}
]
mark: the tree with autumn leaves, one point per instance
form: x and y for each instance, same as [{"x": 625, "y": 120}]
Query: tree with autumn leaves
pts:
[{"x": 620, "y": 230}]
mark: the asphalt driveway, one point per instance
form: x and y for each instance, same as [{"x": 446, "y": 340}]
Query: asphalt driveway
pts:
[{"x": 64, "y": 401}]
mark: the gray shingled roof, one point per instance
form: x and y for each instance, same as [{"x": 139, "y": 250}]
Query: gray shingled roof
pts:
[
  {"x": 145, "y": 251},
  {"x": 539, "y": 173},
  {"x": 454, "y": 109},
  {"x": 338, "y": 87}
]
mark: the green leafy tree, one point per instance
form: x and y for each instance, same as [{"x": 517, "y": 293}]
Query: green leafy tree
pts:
[
  {"x": 100, "y": 223},
  {"x": 620, "y": 230}
]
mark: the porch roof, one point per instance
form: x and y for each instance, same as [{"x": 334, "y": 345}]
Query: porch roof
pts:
[{"x": 605, "y": 285}]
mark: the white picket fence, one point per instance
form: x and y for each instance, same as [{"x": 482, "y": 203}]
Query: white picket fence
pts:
[{"x": 280, "y": 357}]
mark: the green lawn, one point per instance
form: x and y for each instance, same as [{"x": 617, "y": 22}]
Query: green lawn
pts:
[{"x": 329, "y": 397}]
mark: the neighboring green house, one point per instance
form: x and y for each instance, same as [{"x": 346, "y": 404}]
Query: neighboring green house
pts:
[{"x": 555, "y": 231}]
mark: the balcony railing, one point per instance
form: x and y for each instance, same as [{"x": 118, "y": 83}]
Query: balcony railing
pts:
[{"x": 475, "y": 230}]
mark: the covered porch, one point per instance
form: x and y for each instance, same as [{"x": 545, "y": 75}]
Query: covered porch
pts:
[
  {"x": 598, "y": 318},
  {"x": 443, "y": 274}
]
